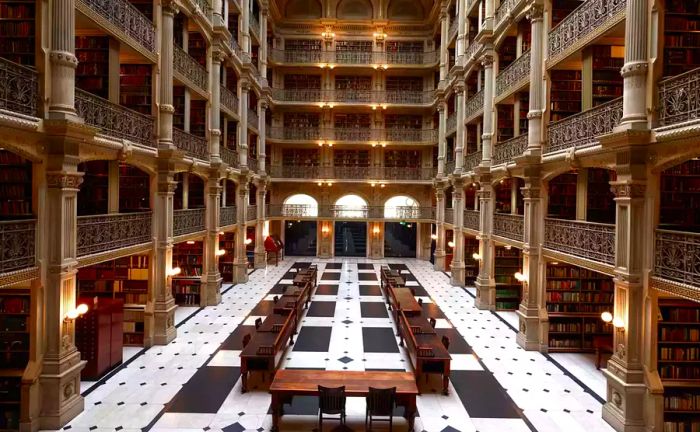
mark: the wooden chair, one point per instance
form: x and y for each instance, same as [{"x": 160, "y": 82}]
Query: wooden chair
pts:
[
  {"x": 246, "y": 340},
  {"x": 258, "y": 323},
  {"x": 420, "y": 301},
  {"x": 433, "y": 322},
  {"x": 446, "y": 342},
  {"x": 380, "y": 402},
  {"x": 331, "y": 400}
]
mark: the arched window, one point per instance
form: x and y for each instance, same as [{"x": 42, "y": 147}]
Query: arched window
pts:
[
  {"x": 351, "y": 206},
  {"x": 300, "y": 205},
  {"x": 401, "y": 207}
]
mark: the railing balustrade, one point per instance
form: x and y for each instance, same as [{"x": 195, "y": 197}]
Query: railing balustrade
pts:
[
  {"x": 237, "y": 50},
  {"x": 352, "y": 134},
  {"x": 590, "y": 240},
  {"x": 102, "y": 233},
  {"x": 253, "y": 118},
  {"x": 449, "y": 215},
  {"x": 349, "y": 212},
  {"x": 352, "y": 172},
  {"x": 230, "y": 157},
  {"x": 192, "y": 145},
  {"x": 472, "y": 161},
  {"x": 254, "y": 24},
  {"x": 115, "y": 120},
  {"x": 471, "y": 50},
  {"x": 251, "y": 213},
  {"x": 124, "y": 16},
  {"x": 452, "y": 31},
  {"x": 189, "y": 69},
  {"x": 679, "y": 98},
  {"x": 475, "y": 105},
  {"x": 508, "y": 226},
  {"x": 227, "y": 216},
  {"x": 19, "y": 88},
  {"x": 203, "y": 6},
  {"x": 17, "y": 245},
  {"x": 330, "y": 57},
  {"x": 451, "y": 122},
  {"x": 450, "y": 166},
  {"x": 252, "y": 163},
  {"x": 354, "y": 57},
  {"x": 508, "y": 150},
  {"x": 408, "y": 173},
  {"x": 505, "y": 8},
  {"x": 517, "y": 73},
  {"x": 583, "y": 129},
  {"x": 187, "y": 221},
  {"x": 678, "y": 256},
  {"x": 471, "y": 219},
  {"x": 229, "y": 100}
]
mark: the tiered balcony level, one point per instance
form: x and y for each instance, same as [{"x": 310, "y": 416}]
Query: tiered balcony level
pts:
[
  {"x": 323, "y": 58},
  {"x": 371, "y": 97},
  {"x": 419, "y": 136},
  {"x": 352, "y": 173}
]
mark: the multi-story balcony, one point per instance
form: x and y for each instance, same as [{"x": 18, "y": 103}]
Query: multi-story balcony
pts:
[
  {"x": 589, "y": 240},
  {"x": 352, "y": 173},
  {"x": 471, "y": 51},
  {"x": 254, "y": 25},
  {"x": 367, "y": 59},
  {"x": 514, "y": 77},
  {"x": 449, "y": 216},
  {"x": 188, "y": 71},
  {"x": 19, "y": 88},
  {"x": 122, "y": 19},
  {"x": 450, "y": 166},
  {"x": 353, "y": 96},
  {"x": 678, "y": 99},
  {"x": 188, "y": 221},
  {"x": 508, "y": 150},
  {"x": 509, "y": 226},
  {"x": 403, "y": 135},
  {"x": 583, "y": 129},
  {"x": 115, "y": 120},
  {"x": 192, "y": 145},
  {"x": 507, "y": 8},
  {"x": 18, "y": 245},
  {"x": 253, "y": 118},
  {"x": 229, "y": 102},
  {"x": 471, "y": 219},
  {"x": 590, "y": 20},
  {"x": 472, "y": 160},
  {"x": 103, "y": 233},
  {"x": 204, "y": 7},
  {"x": 678, "y": 256},
  {"x": 475, "y": 106},
  {"x": 404, "y": 213},
  {"x": 451, "y": 122},
  {"x": 252, "y": 163},
  {"x": 227, "y": 216},
  {"x": 238, "y": 52},
  {"x": 251, "y": 213},
  {"x": 230, "y": 157}
]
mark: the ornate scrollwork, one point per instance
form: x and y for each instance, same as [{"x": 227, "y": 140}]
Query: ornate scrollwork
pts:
[
  {"x": 253, "y": 118},
  {"x": 471, "y": 161},
  {"x": 583, "y": 129},
  {"x": 628, "y": 190},
  {"x": 61, "y": 180},
  {"x": 17, "y": 245},
  {"x": 475, "y": 105},
  {"x": 594, "y": 241},
  {"x": 229, "y": 100},
  {"x": 19, "y": 88},
  {"x": 679, "y": 98},
  {"x": 508, "y": 226},
  {"x": 508, "y": 150},
  {"x": 251, "y": 213},
  {"x": 123, "y": 15},
  {"x": 190, "y": 69},
  {"x": 515, "y": 73},
  {"x": 471, "y": 219},
  {"x": 471, "y": 50},
  {"x": 227, "y": 216},
  {"x": 449, "y": 215},
  {"x": 191, "y": 144},
  {"x": 505, "y": 10},
  {"x": 230, "y": 157},
  {"x": 108, "y": 232},
  {"x": 188, "y": 221},
  {"x": 678, "y": 256}
]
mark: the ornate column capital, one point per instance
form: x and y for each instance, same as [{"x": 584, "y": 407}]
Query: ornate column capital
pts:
[
  {"x": 442, "y": 106},
  {"x": 536, "y": 12},
  {"x": 64, "y": 180},
  {"x": 167, "y": 187},
  {"x": 486, "y": 61},
  {"x": 263, "y": 104},
  {"x": 628, "y": 189},
  {"x": 459, "y": 86},
  {"x": 245, "y": 84},
  {"x": 218, "y": 56},
  {"x": 170, "y": 7}
]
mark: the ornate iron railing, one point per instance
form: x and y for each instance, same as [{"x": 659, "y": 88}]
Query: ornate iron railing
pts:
[
  {"x": 508, "y": 226},
  {"x": 583, "y": 21},
  {"x": 253, "y": 118},
  {"x": 471, "y": 50},
  {"x": 508, "y": 150},
  {"x": 299, "y": 171},
  {"x": 410, "y": 135},
  {"x": 590, "y": 240},
  {"x": 299, "y": 95},
  {"x": 102, "y": 233},
  {"x": 354, "y": 57},
  {"x": 505, "y": 8},
  {"x": 19, "y": 88},
  {"x": 345, "y": 212},
  {"x": 582, "y": 130},
  {"x": 237, "y": 50},
  {"x": 352, "y": 172},
  {"x": 471, "y": 219},
  {"x": 352, "y": 134},
  {"x": 475, "y": 105},
  {"x": 187, "y": 221},
  {"x": 252, "y": 163},
  {"x": 411, "y": 58},
  {"x": 679, "y": 98},
  {"x": 227, "y": 216},
  {"x": 17, "y": 245},
  {"x": 451, "y": 122},
  {"x": 314, "y": 95},
  {"x": 123, "y": 15},
  {"x": 230, "y": 157},
  {"x": 450, "y": 166},
  {"x": 472, "y": 160},
  {"x": 294, "y": 210},
  {"x": 678, "y": 256},
  {"x": 190, "y": 69},
  {"x": 378, "y": 58},
  {"x": 203, "y": 6},
  {"x": 449, "y": 215},
  {"x": 115, "y": 120},
  {"x": 251, "y": 213},
  {"x": 516, "y": 73},
  {"x": 452, "y": 31},
  {"x": 295, "y": 134},
  {"x": 408, "y": 173},
  {"x": 254, "y": 25},
  {"x": 193, "y": 145},
  {"x": 302, "y": 57},
  {"x": 229, "y": 100}
]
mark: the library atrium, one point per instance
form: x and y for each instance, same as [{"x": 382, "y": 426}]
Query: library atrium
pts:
[{"x": 350, "y": 215}]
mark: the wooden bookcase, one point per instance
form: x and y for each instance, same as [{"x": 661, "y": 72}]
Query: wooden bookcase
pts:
[
  {"x": 197, "y": 48},
  {"x": 680, "y": 197},
  {"x": 471, "y": 144},
  {"x": 504, "y": 193},
  {"x": 179, "y": 105},
  {"x": 525, "y": 30},
  {"x": 507, "y": 52},
  {"x": 508, "y": 289},
  {"x": 302, "y": 45},
  {"x": 15, "y": 310},
  {"x": 506, "y": 117},
  {"x": 198, "y": 117},
  {"x": 351, "y": 158},
  {"x": 679, "y": 363},
  {"x": 565, "y": 94},
  {"x": 404, "y": 46},
  {"x": 15, "y": 186},
  {"x": 352, "y": 120},
  {"x": 189, "y": 256},
  {"x": 231, "y": 134},
  {"x": 524, "y": 99},
  {"x": 402, "y": 159},
  {"x": 681, "y": 36},
  {"x": 353, "y": 82},
  {"x": 18, "y": 31},
  {"x": 562, "y": 196},
  {"x": 471, "y": 266},
  {"x": 353, "y": 46},
  {"x": 607, "y": 81},
  {"x": 94, "y": 195},
  {"x": 301, "y": 120},
  {"x": 562, "y": 8},
  {"x": 302, "y": 82},
  {"x": 92, "y": 74},
  {"x": 233, "y": 25},
  {"x": 403, "y": 121},
  {"x": 134, "y": 189},
  {"x": 404, "y": 83},
  {"x": 195, "y": 195},
  {"x": 600, "y": 206},
  {"x": 300, "y": 157},
  {"x": 135, "y": 87},
  {"x": 227, "y": 242},
  {"x": 575, "y": 299}
]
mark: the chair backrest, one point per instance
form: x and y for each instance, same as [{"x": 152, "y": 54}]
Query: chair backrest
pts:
[
  {"x": 258, "y": 323},
  {"x": 433, "y": 322},
  {"x": 274, "y": 299},
  {"x": 246, "y": 340},
  {"x": 381, "y": 401},
  {"x": 331, "y": 400},
  {"x": 420, "y": 301},
  {"x": 266, "y": 350},
  {"x": 446, "y": 341}
]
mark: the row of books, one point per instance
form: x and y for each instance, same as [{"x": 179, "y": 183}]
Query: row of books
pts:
[
  {"x": 685, "y": 372},
  {"x": 682, "y": 426},
  {"x": 580, "y": 284},
  {"x": 14, "y": 304},
  {"x": 675, "y": 353},
  {"x": 577, "y": 308},
  {"x": 576, "y": 327},
  {"x": 573, "y": 272},
  {"x": 682, "y": 402},
  {"x": 579, "y": 297},
  {"x": 679, "y": 334},
  {"x": 682, "y": 314}
]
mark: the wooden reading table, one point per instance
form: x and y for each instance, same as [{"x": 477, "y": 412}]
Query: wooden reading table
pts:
[
  {"x": 298, "y": 382},
  {"x": 402, "y": 299},
  {"x": 306, "y": 275},
  {"x": 427, "y": 353},
  {"x": 392, "y": 277},
  {"x": 295, "y": 299}
]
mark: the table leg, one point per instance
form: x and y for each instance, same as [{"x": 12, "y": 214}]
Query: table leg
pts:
[
  {"x": 446, "y": 378},
  {"x": 410, "y": 413},
  {"x": 276, "y": 411},
  {"x": 244, "y": 379}
]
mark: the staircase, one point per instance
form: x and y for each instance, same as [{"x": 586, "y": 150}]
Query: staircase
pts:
[
  {"x": 351, "y": 239},
  {"x": 398, "y": 246}
]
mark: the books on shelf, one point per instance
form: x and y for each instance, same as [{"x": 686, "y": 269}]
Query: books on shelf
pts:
[
  {"x": 600, "y": 200},
  {"x": 562, "y": 196},
  {"x": 18, "y": 32},
  {"x": 302, "y": 82},
  {"x": 227, "y": 242},
  {"x": 351, "y": 158},
  {"x": 681, "y": 37},
  {"x": 402, "y": 159},
  {"x": 300, "y": 157},
  {"x": 302, "y": 45},
  {"x": 508, "y": 288},
  {"x": 505, "y": 117},
  {"x": 403, "y": 121},
  {"x": 93, "y": 196},
  {"x": 404, "y": 83},
  {"x": 301, "y": 120},
  {"x": 353, "y": 82},
  {"x": 92, "y": 73},
  {"x": 189, "y": 257},
  {"x": 352, "y": 120},
  {"x": 134, "y": 189},
  {"x": 135, "y": 87},
  {"x": 565, "y": 95},
  {"x": 15, "y": 186},
  {"x": 680, "y": 197},
  {"x": 404, "y": 46}
]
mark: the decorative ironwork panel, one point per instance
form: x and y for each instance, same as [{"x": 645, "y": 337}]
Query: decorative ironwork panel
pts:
[
  {"x": 19, "y": 88},
  {"x": 254, "y": 24},
  {"x": 584, "y": 20},
  {"x": 191, "y": 144},
  {"x": 428, "y": 213},
  {"x": 299, "y": 210},
  {"x": 229, "y": 99},
  {"x": 17, "y": 245},
  {"x": 508, "y": 150},
  {"x": 508, "y": 226},
  {"x": 471, "y": 219},
  {"x": 471, "y": 50},
  {"x": 354, "y": 57},
  {"x": 352, "y": 172},
  {"x": 515, "y": 73},
  {"x": 204, "y": 6},
  {"x": 355, "y": 134},
  {"x": 581, "y": 130},
  {"x": 189, "y": 68},
  {"x": 294, "y": 134},
  {"x": 408, "y": 173},
  {"x": 506, "y": 7},
  {"x": 405, "y": 97},
  {"x": 295, "y": 56},
  {"x": 227, "y": 216},
  {"x": 452, "y": 31},
  {"x": 102, "y": 233},
  {"x": 679, "y": 98},
  {"x": 123, "y": 15},
  {"x": 411, "y": 58},
  {"x": 678, "y": 256},
  {"x": 404, "y": 135},
  {"x": 300, "y": 95},
  {"x": 472, "y": 161},
  {"x": 253, "y": 118},
  {"x": 452, "y": 122},
  {"x": 449, "y": 215},
  {"x": 187, "y": 221},
  {"x": 450, "y": 166},
  {"x": 590, "y": 240},
  {"x": 252, "y": 164},
  {"x": 345, "y": 212},
  {"x": 297, "y": 171},
  {"x": 115, "y": 120},
  {"x": 230, "y": 157},
  {"x": 237, "y": 50},
  {"x": 251, "y": 213},
  {"x": 475, "y": 105}
]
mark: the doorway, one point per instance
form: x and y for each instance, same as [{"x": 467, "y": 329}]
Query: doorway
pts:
[
  {"x": 351, "y": 239},
  {"x": 400, "y": 239},
  {"x": 300, "y": 238}
]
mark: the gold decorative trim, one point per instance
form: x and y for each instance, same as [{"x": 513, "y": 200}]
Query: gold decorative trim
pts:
[
  {"x": 581, "y": 262},
  {"x": 17, "y": 276},
  {"x": 97, "y": 258},
  {"x": 190, "y": 236},
  {"x": 676, "y": 288}
]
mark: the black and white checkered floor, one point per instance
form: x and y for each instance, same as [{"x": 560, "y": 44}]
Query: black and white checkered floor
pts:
[{"x": 194, "y": 382}]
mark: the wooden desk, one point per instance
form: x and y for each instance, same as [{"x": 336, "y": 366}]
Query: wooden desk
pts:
[
  {"x": 418, "y": 322},
  {"x": 304, "y": 276},
  {"x": 293, "y": 301},
  {"x": 393, "y": 277},
  {"x": 298, "y": 382},
  {"x": 427, "y": 353},
  {"x": 402, "y": 299},
  {"x": 274, "y": 322}
]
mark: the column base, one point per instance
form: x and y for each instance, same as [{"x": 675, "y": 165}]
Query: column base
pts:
[
  {"x": 529, "y": 329},
  {"x": 212, "y": 291},
  {"x": 60, "y": 391},
  {"x": 260, "y": 260},
  {"x": 240, "y": 272},
  {"x": 439, "y": 264},
  {"x": 485, "y": 295},
  {"x": 164, "y": 321},
  {"x": 457, "y": 278},
  {"x": 625, "y": 406}
]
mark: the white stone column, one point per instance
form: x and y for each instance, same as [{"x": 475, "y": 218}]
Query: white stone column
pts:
[
  {"x": 164, "y": 305},
  {"x": 262, "y": 57},
  {"x": 262, "y": 106},
  {"x": 485, "y": 283},
  {"x": 442, "y": 137},
  {"x": 444, "y": 53},
  {"x": 215, "y": 109},
  {"x": 457, "y": 268},
  {"x": 636, "y": 67},
  {"x": 260, "y": 255},
  {"x": 536, "y": 108},
  {"x": 63, "y": 61},
  {"x": 461, "y": 27},
  {"x": 487, "y": 131},
  {"x": 459, "y": 136},
  {"x": 243, "y": 89},
  {"x": 244, "y": 29},
  {"x": 217, "y": 7},
  {"x": 166, "y": 108},
  {"x": 240, "y": 261},
  {"x": 439, "y": 255},
  {"x": 211, "y": 280}
]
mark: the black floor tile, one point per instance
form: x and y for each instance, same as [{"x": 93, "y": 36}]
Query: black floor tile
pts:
[
  {"x": 332, "y": 276},
  {"x": 409, "y": 277},
  {"x": 289, "y": 275},
  {"x": 301, "y": 264},
  {"x": 313, "y": 339},
  {"x": 373, "y": 310},
  {"x": 334, "y": 266},
  {"x": 302, "y": 405},
  {"x": 264, "y": 308},
  {"x": 398, "y": 266},
  {"x": 367, "y": 276},
  {"x": 420, "y": 291},
  {"x": 365, "y": 266},
  {"x": 235, "y": 340},
  {"x": 325, "y": 289},
  {"x": 370, "y": 290},
  {"x": 279, "y": 288},
  {"x": 321, "y": 309},
  {"x": 482, "y": 395},
  {"x": 379, "y": 339},
  {"x": 457, "y": 343},
  {"x": 431, "y": 310},
  {"x": 205, "y": 391}
]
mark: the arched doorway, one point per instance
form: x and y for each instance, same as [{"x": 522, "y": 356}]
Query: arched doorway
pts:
[
  {"x": 299, "y": 235},
  {"x": 350, "y": 236},
  {"x": 399, "y": 234}
]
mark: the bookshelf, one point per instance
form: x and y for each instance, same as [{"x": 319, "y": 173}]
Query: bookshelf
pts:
[
  {"x": 124, "y": 279},
  {"x": 197, "y": 48},
  {"x": 232, "y": 134},
  {"x": 92, "y": 74},
  {"x": 607, "y": 81},
  {"x": 507, "y": 52},
  {"x": 351, "y": 158},
  {"x": 471, "y": 144},
  {"x": 306, "y": 45},
  {"x": 198, "y": 117},
  {"x": 179, "y": 105},
  {"x": 144, "y": 6},
  {"x": 404, "y": 46},
  {"x": 508, "y": 289},
  {"x": 300, "y": 157},
  {"x": 15, "y": 310},
  {"x": 187, "y": 285},
  {"x": 471, "y": 266},
  {"x": 301, "y": 120},
  {"x": 178, "y": 29},
  {"x": 562, "y": 8},
  {"x": 302, "y": 82},
  {"x": 575, "y": 299},
  {"x": 504, "y": 193},
  {"x": 525, "y": 30},
  {"x": 17, "y": 31},
  {"x": 524, "y": 99},
  {"x": 195, "y": 193},
  {"x": 506, "y": 130},
  {"x": 562, "y": 196},
  {"x": 353, "y": 82},
  {"x": 565, "y": 95},
  {"x": 134, "y": 189},
  {"x": 680, "y": 197},
  {"x": 679, "y": 363},
  {"x": 404, "y": 83},
  {"x": 601, "y": 201},
  {"x": 681, "y": 36},
  {"x": 352, "y": 120},
  {"x": 93, "y": 194},
  {"x": 227, "y": 242},
  {"x": 233, "y": 25},
  {"x": 403, "y": 121},
  {"x": 402, "y": 159},
  {"x": 15, "y": 186},
  {"x": 353, "y": 46},
  {"x": 135, "y": 87}
]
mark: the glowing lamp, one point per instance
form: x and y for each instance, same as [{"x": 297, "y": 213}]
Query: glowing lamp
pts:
[{"x": 606, "y": 316}]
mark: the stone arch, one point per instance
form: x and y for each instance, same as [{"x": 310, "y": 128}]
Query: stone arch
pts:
[
  {"x": 401, "y": 207},
  {"x": 405, "y": 10},
  {"x": 353, "y": 205},
  {"x": 354, "y": 9},
  {"x": 300, "y": 205},
  {"x": 303, "y": 9}
]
